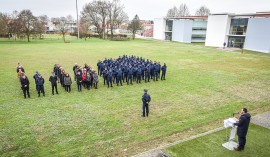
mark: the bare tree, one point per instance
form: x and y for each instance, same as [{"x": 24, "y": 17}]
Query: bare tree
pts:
[
  {"x": 27, "y": 21},
  {"x": 202, "y": 11},
  {"x": 135, "y": 25},
  {"x": 96, "y": 13},
  {"x": 41, "y": 23},
  {"x": 4, "y": 20},
  {"x": 84, "y": 28},
  {"x": 61, "y": 25},
  {"x": 183, "y": 10},
  {"x": 117, "y": 16},
  {"x": 173, "y": 12}
]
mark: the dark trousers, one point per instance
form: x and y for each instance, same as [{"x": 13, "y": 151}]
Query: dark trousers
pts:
[
  {"x": 147, "y": 78},
  {"x": 95, "y": 85},
  {"x": 155, "y": 76},
  {"x": 242, "y": 142},
  {"x": 145, "y": 109},
  {"x": 88, "y": 85},
  {"x": 129, "y": 80},
  {"x": 26, "y": 89},
  {"x": 163, "y": 76},
  {"x": 54, "y": 86},
  {"x": 41, "y": 90},
  {"x": 109, "y": 82},
  {"x": 105, "y": 80},
  {"x": 79, "y": 87},
  {"x": 139, "y": 78},
  {"x": 68, "y": 88},
  {"x": 119, "y": 79}
]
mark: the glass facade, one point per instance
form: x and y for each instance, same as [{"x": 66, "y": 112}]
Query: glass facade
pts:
[
  {"x": 199, "y": 30},
  {"x": 238, "y": 26},
  {"x": 169, "y": 25},
  {"x": 237, "y": 32}
]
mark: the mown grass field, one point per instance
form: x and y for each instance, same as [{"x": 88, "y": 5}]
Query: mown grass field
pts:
[
  {"x": 257, "y": 145},
  {"x": 203, "y": 86}
]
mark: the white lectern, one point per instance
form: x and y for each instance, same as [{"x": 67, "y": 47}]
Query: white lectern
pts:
[{"x": 229, "y": 124}]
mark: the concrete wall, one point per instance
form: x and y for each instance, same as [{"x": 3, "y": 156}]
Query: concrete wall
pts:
[
  {"x": 159, "y": 29},
  {"x": 258, "y": 35},
  {"x": 217, "y": 30},
  {"x": 182, "y": 30}
]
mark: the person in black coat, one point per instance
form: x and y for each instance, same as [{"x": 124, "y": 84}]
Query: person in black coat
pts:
[
  {"x": 242, "y": 129},
  {"x": 53, "y": 80},
  {"x": 145, "y": 99},
  {"x": 79, "y": 81},
  {"x": 40, "y": 85},
  {"x": 163, "y": 73},
  {"x": 25, "y": 86}
]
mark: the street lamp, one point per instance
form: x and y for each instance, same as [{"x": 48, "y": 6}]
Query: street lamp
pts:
[{"x": 78, "y": 28}]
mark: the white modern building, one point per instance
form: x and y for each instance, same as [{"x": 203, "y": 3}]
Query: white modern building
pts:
[
  {"x": 249, "y": 31},
  {"x": 181, "y": 29}
]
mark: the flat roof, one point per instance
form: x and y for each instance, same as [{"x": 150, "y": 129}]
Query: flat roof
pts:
[{"x": 187, "y": 17}]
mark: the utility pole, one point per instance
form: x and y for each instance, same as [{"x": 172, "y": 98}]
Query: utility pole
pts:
[{"x": 78, "y": 28}]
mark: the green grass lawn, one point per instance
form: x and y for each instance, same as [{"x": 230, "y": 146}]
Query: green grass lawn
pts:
[
  {"x": 203, "y": 86},
  {"x": 257, "y": 145}
]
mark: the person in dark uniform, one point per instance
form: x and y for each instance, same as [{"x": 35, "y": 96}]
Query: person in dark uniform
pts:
[
  {"x": 25, "y": 86},
  {"x": 129, "y": 77},
  {"x": 163, "y": 73},
  {"x": 145, "y": 99},
  {"x": 53, "y": 80},
  {"x": 79, "y": 81},
  {"x": 35, "y": 78},
  {"x": 242, "y": 129},
  {"x": 40, "y": 84},
  {"x": 110, "y": 78},
  {"x": 105, "y": 75},
  {"x": 119, "y": 77}
]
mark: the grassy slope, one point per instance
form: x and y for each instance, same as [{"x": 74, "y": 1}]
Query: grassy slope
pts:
[
  {"x": 203, "y": 85},
  {"x": 257, "y": 145}
]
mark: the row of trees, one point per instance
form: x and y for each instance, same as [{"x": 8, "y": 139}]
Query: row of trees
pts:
[
  {"x": 184, "y": 11},
  {"x": 105, "y": 15},
  {"x": 22, "y": 23}
]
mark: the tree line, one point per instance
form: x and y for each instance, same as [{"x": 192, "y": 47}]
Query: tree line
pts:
[
  {"x": 105, "y": 15},
  {"x": 183, "y": 10}
]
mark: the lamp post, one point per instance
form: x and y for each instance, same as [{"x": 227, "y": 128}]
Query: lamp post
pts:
[{"x": 78, "y": 28}]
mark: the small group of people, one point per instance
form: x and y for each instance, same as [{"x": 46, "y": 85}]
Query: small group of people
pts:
[
  {"x": 24, "y": 82},
  {"x": 85, "y": 77},
  {"x": 129, "y": 69},
  {"x": 60, "y": 75}
]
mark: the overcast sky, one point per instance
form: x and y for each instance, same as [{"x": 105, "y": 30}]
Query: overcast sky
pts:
[{"x": 146, "y": 9}]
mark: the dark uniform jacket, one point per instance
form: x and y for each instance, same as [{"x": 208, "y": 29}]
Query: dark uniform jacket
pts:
[
  {"x": 146, "y": 98},
  {"x": 25, "y": 82},
  {"x": 243, "y": 125},
  {"x": 53, "y": 79}
]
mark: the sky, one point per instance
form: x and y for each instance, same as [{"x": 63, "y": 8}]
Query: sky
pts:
[{"x": 146, "y": 9}]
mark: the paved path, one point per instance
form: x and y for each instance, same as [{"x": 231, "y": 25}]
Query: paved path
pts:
[{"x": 262, "y": 120}]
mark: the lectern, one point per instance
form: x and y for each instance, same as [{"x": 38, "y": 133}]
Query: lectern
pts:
[{"x": 230, "y": 140}]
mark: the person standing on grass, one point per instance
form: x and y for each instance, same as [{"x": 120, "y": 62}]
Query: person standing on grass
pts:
[
  {"x": 35, "y": 78},
  {"x": 242, "y": 129},
  {"x": 25, "y": 86},
  {"x": 79, "y": 81},
  {"x": 145, "y": 99},
  {"x": 95, "y": 80},
  {"x": 53, "y": 80},
  {"x": 67, "y": 83},
  {"x": 40, "y": 85},
  {"x": 163, "y": 73}
]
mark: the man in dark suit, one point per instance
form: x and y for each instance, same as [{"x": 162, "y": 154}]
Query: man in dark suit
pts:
[
  {"x": 242, "y": 129},
  {"x": 145, "y": 99}
]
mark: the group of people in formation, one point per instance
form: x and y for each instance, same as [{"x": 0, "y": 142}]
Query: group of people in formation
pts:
[
  {"x": 123, "y": 69},
  {"x": 130, "y": 69}
]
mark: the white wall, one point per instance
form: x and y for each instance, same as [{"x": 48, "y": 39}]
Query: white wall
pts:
[
  {"x": 258, "y": 35},
  {"x": 217, "y": 30},
  {"x": 159, "y": 29},
  {"x": 182, "y": 30}
]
